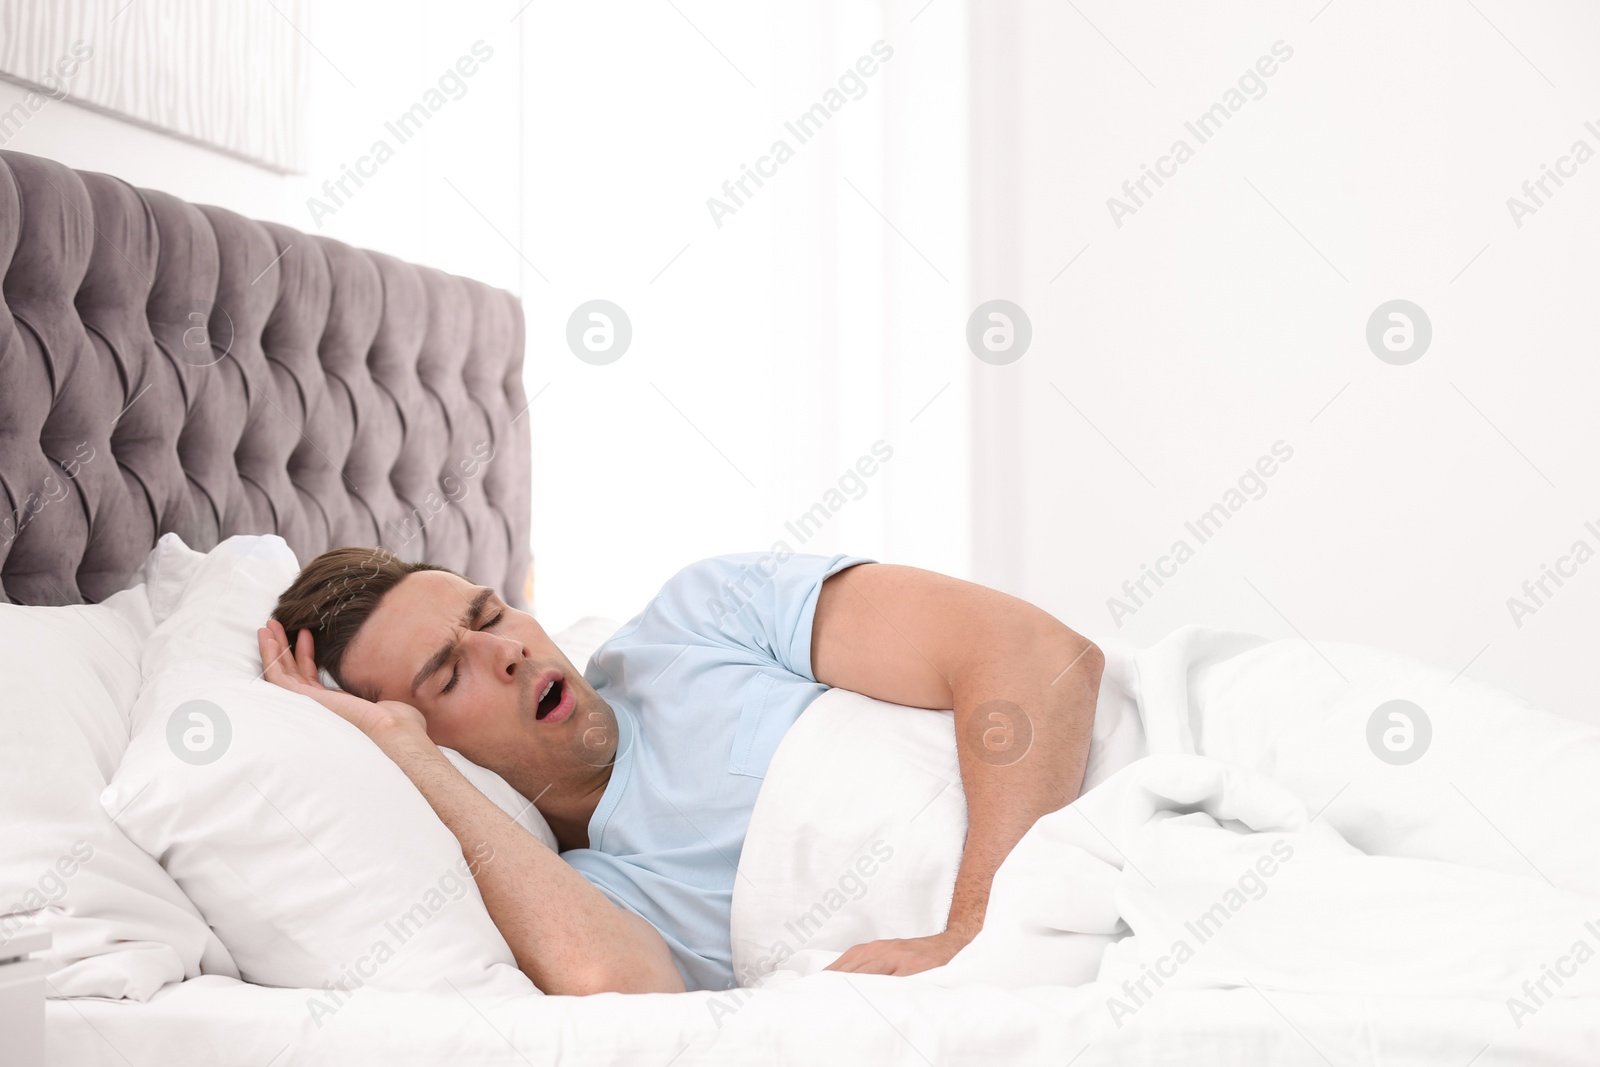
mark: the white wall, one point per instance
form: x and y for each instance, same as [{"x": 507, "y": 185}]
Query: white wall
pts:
[
  {"x": 774, "y": 350},
  {"x": 770, "y": 356},
  {"x": 1229, "y": 311}
]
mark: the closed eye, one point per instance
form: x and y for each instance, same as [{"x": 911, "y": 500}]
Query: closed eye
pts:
[{"x": 455, "y": 671}]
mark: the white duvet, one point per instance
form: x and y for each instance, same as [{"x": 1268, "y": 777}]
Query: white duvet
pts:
[{"x": 1282, "y": 834}]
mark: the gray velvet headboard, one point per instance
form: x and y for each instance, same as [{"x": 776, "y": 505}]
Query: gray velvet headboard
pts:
[{"x": 165, "y": 366}]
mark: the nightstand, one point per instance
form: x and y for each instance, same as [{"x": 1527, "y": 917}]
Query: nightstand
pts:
[{"x": 22, "y": 996}]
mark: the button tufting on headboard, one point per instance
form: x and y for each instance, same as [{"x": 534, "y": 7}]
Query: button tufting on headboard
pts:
[{"x": 167, "y": 367}]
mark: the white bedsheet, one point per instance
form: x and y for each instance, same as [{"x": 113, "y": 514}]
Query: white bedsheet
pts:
[{"x": 827, "y": 1020}]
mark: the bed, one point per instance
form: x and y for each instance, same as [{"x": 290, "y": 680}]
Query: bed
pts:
[{"x": 248, "y": 379}]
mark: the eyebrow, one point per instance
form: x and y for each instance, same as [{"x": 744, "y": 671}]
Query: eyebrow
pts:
[{"x": 441, "y": 657}]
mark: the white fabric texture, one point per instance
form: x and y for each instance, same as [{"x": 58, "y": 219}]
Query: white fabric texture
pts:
[
  {"x": 120, "y": 926},
  {"x": 311, "y": 855},
  {"x": 826, "y": 1020},
  {"x": 579, "y": 641},
  {"x": 165, "y": 573},
  {"x": 1264, "y": 842}
]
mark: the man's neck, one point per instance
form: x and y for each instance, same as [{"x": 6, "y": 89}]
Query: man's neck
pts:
[{"x": 568, "y": 812}]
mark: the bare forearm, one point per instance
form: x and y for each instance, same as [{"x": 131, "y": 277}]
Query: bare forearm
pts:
[
  {"x": 566, "y": 935},
  {"x": 1024, "y": 719}
]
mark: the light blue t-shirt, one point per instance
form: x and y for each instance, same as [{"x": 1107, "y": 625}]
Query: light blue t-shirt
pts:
[{"x": 705, "y": 682}]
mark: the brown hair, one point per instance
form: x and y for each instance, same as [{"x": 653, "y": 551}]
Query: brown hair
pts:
[{"x": 335, "y": 594}]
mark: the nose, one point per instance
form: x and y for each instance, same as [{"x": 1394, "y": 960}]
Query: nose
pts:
[{"x": 506, "y": 655}]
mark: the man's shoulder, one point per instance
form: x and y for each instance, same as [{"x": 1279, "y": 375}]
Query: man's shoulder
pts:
[
  {"x": 717, "y": 587},
  {"x": 731, "y": 562},
  {"x": 689, "y": 597},
  {"x": 733, "y": 594}
]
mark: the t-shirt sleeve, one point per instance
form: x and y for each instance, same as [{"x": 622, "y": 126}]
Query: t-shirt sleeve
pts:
[{"x": 758, "y": 602}]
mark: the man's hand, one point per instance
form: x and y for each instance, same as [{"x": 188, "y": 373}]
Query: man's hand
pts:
[
  {"x": 296, "y": 670},
  {"x": 901, "y": 956}
]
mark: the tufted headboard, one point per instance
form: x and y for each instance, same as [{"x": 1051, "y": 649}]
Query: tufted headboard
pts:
[{"x": 168, "y": 367}]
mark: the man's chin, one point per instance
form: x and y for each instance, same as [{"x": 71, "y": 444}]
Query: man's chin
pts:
[{"x": 594, "y": 731}]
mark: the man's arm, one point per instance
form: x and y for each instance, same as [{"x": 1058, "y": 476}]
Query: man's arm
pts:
[
  {"x": 566, "y": 935},
  {"x": 1023, "y": 686}
]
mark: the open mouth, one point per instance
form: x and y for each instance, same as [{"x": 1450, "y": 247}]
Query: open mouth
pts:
[
  {"x": 557, "y": 700},
  {"x": 551, "y": 698}
]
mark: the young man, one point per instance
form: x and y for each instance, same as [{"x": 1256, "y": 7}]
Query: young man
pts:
[{"x": 647, "y": 765}]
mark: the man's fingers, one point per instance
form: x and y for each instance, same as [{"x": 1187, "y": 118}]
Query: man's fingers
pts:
[
  {"x": 863, "y": 959},
  {"x": 869, "y": 966},
  {"x": 275, "y": 649},
  {"x": 271, "y": 652},
  {"x": 273, "y": 644},
  {"x": 304, "y": 660},
  {"x": 848, "y": 959},
  {"x": 892, "y": 956}
]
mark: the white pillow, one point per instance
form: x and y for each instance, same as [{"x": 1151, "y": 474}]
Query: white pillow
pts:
[
  {"x": 579, "y": 641},
  {"x": 307, "y": 850},
  {"x": 856, "y": 835},
  {"x": 165, "y": 573},
  {"x": 120, "y": 926},
  {"x": 859, "y": 827}
]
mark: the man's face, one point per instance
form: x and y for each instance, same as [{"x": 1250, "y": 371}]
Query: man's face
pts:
[{"x": 488, "y": 680}]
